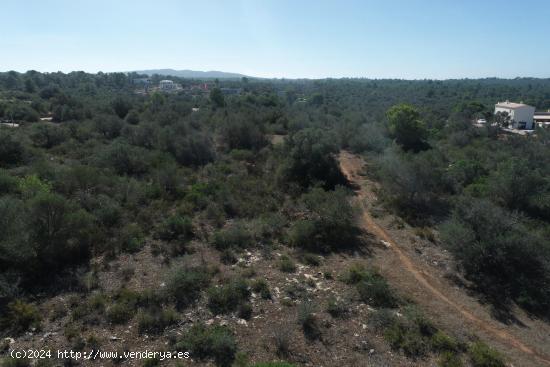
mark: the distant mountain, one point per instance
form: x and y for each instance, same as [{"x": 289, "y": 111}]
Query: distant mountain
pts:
[{"x": 192, "y": 74}]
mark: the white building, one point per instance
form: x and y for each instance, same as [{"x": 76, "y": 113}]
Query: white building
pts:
[
  {"x": 521, "y": 115},
  {"x": 167, "y": 85},
  {"x": 542, "y": 119}
]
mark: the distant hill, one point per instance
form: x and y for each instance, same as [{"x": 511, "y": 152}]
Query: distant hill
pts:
[{"x": 192, "y": 74}]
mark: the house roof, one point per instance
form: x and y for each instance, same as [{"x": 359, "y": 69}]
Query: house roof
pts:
[{"x": 511, "y": 105}]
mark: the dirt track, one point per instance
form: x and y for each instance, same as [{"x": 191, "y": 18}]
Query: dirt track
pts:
[{"x": 351, "y": 165}]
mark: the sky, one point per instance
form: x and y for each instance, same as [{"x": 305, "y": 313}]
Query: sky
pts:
[{"x": 410, "y": 39}]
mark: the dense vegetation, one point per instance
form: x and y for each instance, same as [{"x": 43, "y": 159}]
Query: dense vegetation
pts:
[{"x": 116, "y": 170}]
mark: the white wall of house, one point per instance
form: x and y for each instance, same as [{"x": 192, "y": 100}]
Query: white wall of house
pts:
[{"x": 519, "y": 114}]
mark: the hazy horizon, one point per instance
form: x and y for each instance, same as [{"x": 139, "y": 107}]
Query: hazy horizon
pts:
[{"x": 397, "y": 39}]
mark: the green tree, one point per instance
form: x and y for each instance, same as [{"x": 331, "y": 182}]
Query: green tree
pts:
[
  {"x": 310, "y": 159},
  {"x": 121, "y": 106},
  {"x": 216, "y": 96},
  {"x": 405, "y": 126}
]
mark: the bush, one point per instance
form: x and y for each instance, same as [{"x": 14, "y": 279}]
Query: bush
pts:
[
  {"x": 132, "y": 238},
  {"x": 282, "y": 341},
  {"x": 413, "y": 335},
  {"x": 242, "y": 134},
  {"x": 12, "y": 151},
  {"x": 310, "y": 160},
  {"x": 8, "y": 183},
  {"x": 260, "y": 286},
  {"x": 449, "y": 359},
  {"x": 382, "y": 319},
  {"x": 175, "y": 227},
  {"x": 372, "y": 287},
  {"x": 184, "y": 285},
  {"x": 355, "y": 274},
  {"x": 501, "y": 254},
  {"x": 155, "y": 319},
  {"x": 308, "y": 320},
  {"x": 47, "y": 136},
  {"x": 376, "y": 292},
  {"x": 233, "y": 236},
  {"x": 229, "y": 297},
  {"x": 203, "y": 342},
  {"x": 337, "y": 309},
  {"x": 444, "y": 343},
  {"x": 124, "y": 307},
  {"x": 405, "y": 126},
  {"x": 21, "y": 316},
  {"x": 228, "y": 257},
  {"x": 286, "y": 264},
  {"x": 401, "y": 336},
  {"x": 329, "y": 223},
  {"x": 482, "y": 355},
  {"x": 310, "y": 259}
]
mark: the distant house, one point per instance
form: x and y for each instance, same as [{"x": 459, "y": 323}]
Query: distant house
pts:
[
  {"x": 542, "y": 119},
  {"x": 167, "y": 85},
  {"x": 521, "y": 115}
]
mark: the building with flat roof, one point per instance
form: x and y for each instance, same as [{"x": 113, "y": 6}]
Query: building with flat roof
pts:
[
  {"x": 167, "y": 85},
  {"x": 542, "y": 119},
  {"x": 520, "y": 115}
]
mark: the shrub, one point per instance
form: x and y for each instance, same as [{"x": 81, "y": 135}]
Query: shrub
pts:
[
  {"x": 8, "y": 183},
  {"x": 329, "y": 223},
  {"x": 273, "y": 364},
  {"x": 229, "y": 297},
  {"x": 405, "y": 126},
  {"x": 449, "y": 359},
  {"x": 482, "y": 355},
  {"x": 132, "y": 238},
  {"x": 12, "y": 151},
  {"x": 47, "y": 136},
  {"x": 260, "y": 286},
  {"x": 120, "y": 312},
  {"x": 308, "y": 320},
  {"x": 337, "y": 308},
  {"x": 282, "y": 340},
  {"x": 203, "y": 342},
  {"x": 124, "y": 307},
  {"x": 443, "y": 343},
  {"x": 155, "y": 319},
  {"x": 310, "y": 259},
  {"x": 501, "y": 254},
  {"x": 242, "y": 134},
  {"x": 228, "y": 257},
  {"x": 22, "y": 316},
  {"x": 402, "y": 336},
  {"x": 235, "y": 235},
  {"x": 382, "y": 319},
  {"x": 245, "y": 311},
  {"x": 414, "y": 334},
  {"x": 376, "y": 292},
  {"x": 175, "y": 227},
  {"x": 184, "y": 285},
  {"x": 286, "y": 264},
  {"x": 310, "y": 159},
  {"x": 355, "y": 274}
]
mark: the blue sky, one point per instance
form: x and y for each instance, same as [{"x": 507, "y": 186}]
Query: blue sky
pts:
[{"x": 411, "y": 39}]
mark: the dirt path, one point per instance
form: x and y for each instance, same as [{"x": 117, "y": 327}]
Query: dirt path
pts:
[{"x": 351, "y": 165}]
